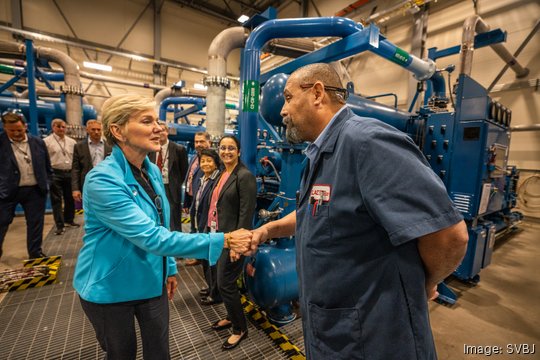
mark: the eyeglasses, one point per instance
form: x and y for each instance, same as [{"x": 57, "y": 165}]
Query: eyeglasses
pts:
[
  {"x": 225, "y": 148},
  {"x": 341, "y": 91}
]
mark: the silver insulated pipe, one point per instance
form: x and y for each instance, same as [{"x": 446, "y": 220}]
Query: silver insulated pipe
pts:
[
  {"x": 475, "y": 25},
  {"x": 216, "y": 80}
]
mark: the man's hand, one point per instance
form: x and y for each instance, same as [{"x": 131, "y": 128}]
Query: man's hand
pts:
[
  {"x": 240, "y": 240},
  {"x": 260, "y": 236},
  {"x": 77, "y": 196},
  {"x": 172, "y": 283},
  {"x": 432, "y": 292}
]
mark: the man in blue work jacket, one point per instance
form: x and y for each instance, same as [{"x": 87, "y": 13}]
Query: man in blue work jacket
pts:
[{"x": 375, "y": 229}]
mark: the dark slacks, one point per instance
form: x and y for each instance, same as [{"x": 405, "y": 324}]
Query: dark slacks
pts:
[
  {"x": 227, "y": 273},
  {"x": 210, "y": 275},
  {"x": 61, "y": 188},
  {"x": 32, "y": 200},
  {"x": 176, "y": 211},
  {"x": 114, "y": 325}
]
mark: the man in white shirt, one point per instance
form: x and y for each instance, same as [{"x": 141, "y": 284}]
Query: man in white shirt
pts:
[
  {"x": 60, "y": 148},
  {"x": 87, "y": 154},
  {"x": 25, "y": 172}
]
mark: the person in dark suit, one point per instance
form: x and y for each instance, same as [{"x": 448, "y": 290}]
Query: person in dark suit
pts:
[
  {"x": 25, "y": 175},
  {"x": 202, "y": 189},
  {"x": 173, "y": 162},
  {"x": 87, "y": 154},
  {"x": 232, "y": 206}
]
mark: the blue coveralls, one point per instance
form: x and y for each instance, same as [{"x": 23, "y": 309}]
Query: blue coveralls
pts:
[{"x": 362, "y": 281}]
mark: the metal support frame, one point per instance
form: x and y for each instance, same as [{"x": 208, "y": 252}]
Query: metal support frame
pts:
[{"x": 31, "y": 78}]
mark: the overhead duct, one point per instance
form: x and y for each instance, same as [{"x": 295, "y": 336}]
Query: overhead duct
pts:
[
  {"x": 292, "y": 48},
  {"x": 475, "y": 25},
  {"x": 72, "y": 83},
  {"x": 217, "y": 81}
]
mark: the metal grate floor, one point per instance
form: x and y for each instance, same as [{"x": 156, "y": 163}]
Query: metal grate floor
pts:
[{"x": 48, "y": 322}]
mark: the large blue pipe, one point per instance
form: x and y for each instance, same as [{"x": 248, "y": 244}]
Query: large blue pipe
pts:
[
  {"x": 399, "y": 119},
  {"x": 200, "y": 102},
  {"x": 285, "y": 28},
  {"x": 184, "y": 132}
]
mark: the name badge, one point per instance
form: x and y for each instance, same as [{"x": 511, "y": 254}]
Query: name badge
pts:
[
  {"x": 213, "y": 226},
  {"x": 320, "y": 193}
]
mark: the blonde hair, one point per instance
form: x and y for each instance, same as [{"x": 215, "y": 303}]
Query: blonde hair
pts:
[{"x": 118, "y": 109}]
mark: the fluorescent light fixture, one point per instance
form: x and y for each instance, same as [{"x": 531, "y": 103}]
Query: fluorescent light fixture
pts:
[
  {"x": 138, "y": 58},
  {"x": 96, "y": 66},
  {"x": 243, "y": 18},
  {"x": 199, "y": 86}
]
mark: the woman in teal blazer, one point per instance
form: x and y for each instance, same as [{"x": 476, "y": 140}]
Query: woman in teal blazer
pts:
[{"x": 126, "y": 267}]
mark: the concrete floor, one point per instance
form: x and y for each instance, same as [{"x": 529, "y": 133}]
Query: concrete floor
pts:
[{"x": 503, "y": 310}]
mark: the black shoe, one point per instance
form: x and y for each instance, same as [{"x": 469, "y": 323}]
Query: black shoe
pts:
[
  {"x": 204, "y": 292},
  {"x": 228, "y": 346},
  {"x": 73, "y": 224},
  {"x": 218, "y": 327},
  {"x": 209, "y": 301},
  {"x": 37, "y": 255},
  {"x": 59, "y": 231}
]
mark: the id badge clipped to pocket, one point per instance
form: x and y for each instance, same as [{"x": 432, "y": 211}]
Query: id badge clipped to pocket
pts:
[{"x": 213, "y": 226}]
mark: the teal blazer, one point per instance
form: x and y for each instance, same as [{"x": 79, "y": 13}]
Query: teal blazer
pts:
[{"x": 122, "y": 257}]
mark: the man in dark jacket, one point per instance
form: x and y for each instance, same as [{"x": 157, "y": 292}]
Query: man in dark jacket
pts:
[
  {"x": 87, "y": 154},
  {"x": 172, "y": 160},
  {"x": 25, "y": 175}
]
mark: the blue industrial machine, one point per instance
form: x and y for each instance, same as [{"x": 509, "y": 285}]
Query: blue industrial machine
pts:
[{"x": 467, "y": 146}]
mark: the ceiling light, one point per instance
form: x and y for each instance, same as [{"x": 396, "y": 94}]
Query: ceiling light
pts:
[
  {"x": 243, "y": 18},
  {"x": 97, "y": 66}
]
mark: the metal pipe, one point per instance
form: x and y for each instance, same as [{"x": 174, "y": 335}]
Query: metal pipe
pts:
[
  {"x": 176, "y": 101},
  {"x": 533, "y": 127},
  {"x": 217, "y": 81},
  {"x": 72, "y": 87},
  {"x": 475, "y": 24},
  {"x": 41, "y": 92},
  {"x": 285, "y": 28}
]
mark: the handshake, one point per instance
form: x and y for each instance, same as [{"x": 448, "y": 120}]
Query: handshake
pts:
[{"x": 245, "y": 242}]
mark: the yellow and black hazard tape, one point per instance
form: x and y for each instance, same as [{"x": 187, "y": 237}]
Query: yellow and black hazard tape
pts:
[
  {"x": 51, "y": 263},
  {"x": 280, "y": 339},
  {"x": 186, "y": 220},
  {"x": 49, "y": 260}
]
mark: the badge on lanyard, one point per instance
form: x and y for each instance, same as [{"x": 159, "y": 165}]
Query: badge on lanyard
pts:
[
  {"x": 320, "y": 194},
  {"x": 213, "y": 226}
]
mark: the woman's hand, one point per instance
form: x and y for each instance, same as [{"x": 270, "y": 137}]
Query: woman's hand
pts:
[{"x": 172, "y": 283}]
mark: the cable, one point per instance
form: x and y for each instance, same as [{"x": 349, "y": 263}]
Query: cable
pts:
[
  {"x": 275, "y": 170},
  {"x": 450, "y": 91}
]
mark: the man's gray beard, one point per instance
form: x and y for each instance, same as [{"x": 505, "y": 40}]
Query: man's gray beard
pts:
[
  {"x": 292, "y": 135},
  {"x": 291, "y": 132}
]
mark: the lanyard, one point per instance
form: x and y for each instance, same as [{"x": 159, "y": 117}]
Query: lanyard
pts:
[
  {"x": 61, "y": 147},
  {"x": 26, "y": 157}
]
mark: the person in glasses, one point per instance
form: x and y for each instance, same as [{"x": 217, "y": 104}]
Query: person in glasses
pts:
[
  {"x": 87, "y": 153},
  {"x": 375, "y": 229},
  {"x": 126, "y": 268},
  {"x": 60, "y": 147},
  {"x": 25, "y": 174},
  {"x": 232, "y": 205},
  {"x": 210, "y": 165}
]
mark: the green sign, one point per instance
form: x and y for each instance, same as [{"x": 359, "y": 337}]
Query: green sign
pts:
[
  {"x": 400, "y": 57},
  {"x": 250, "y": 101}
]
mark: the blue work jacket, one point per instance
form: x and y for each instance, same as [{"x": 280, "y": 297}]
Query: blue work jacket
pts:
[
  {"x": 364, "y": 201},
  {"x": 122, "y": 257}
]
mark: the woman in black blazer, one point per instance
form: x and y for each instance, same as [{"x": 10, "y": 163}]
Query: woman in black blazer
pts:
[
  {"x": 209, "y": 164},
  {"x": 232, "y": 206}
]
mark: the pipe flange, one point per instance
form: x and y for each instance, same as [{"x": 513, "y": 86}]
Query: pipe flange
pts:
[
  {"x": 217, "y": 81},
  {"x": 72, "y": 90},
  {"x": 429, "y": 69}
]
